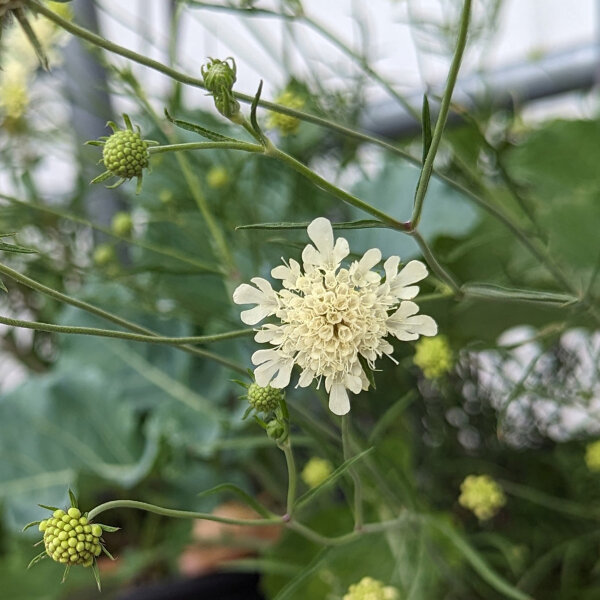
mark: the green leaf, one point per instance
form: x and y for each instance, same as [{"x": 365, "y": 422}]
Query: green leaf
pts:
[
  {"x": 476, "y": 561},
  {"x": 108, "y": 528},
  {"x": 292, "y": 587},
  {"x": 16, "y": 248},
  {"x": 107, "y": 552},
  {"x": 3, "y": 287},
  {"x": 73, "y": 499},
  {"x": 66, "y": 573},
  {"x": 37, "y": 559},
  {"x": 497, "y": 292},
  {"x": 327, "y": 483},
  {"x": 426, "y": 122},
  {"x": 362, "y": 224},
  {"x": 194, "y": 127},
  {"x": 30, "y": 525},
  {"x": 241, "y": 494},
  {"x": 50, "y": 508},
  {"x": 96, "y": 574}
]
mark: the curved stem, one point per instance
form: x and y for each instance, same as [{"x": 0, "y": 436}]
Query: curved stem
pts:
[
  {"x": 427, "y": 168},
  {"x": 436, "y": 267},
  {"x": 286, "y": 448},
  {"x": 178, "y": 514},
  {"x": 245, "y": 146},
  {"x": 35, "y": 285},
  {"x": 122, "y": 335},
  {"x": 358, "y": 507}
]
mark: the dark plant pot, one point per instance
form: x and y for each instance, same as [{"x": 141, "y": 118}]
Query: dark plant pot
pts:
[{"x": 219, "y": 586}]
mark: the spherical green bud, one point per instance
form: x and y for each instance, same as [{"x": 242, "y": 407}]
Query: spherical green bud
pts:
[
  {"x": 74, "y": 513},
  {"x": 316, "y": 471},
  {"x": 217, "y": 177},
  {"x": 264, "y": 399},
  {"x": 275, "y": 429},
  {"x": 96, "y": 531},
  {"x": 125, "y": 154},
  {"x": 122, "y": 224},
  {"x": 42, "y": 526},
  {"x": 104, "y": 254},
  {"x": 58, "y": 513}
]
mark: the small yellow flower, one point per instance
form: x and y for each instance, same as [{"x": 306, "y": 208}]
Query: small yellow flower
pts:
[
  {"x": 286, "y": 124},
  {"x": 217, "y": 177},
  {"x": 14, "y": 95},
  {"x": 592, "y": 456},
  {"x": 371, "y": 589},
  {"x": 316, "y": 471},
  {"x": 481, "y": 495},
  {"x": 433, "y": 356}
]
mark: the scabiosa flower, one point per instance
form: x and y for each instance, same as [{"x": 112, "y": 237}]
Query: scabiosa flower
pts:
[
  {"x": 592, "y": 456},
  {"x": 371, "y": 589},
  {"x": 316, "y": 471},
  {"x": 329, "y": 316},
  {"x": 286, "y": 124},
  {"x": 481, "y": 495},
  {"x": 433, "y": 356}
]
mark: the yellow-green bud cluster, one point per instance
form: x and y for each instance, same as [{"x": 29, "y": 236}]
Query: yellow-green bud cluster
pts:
[
  {"x": 481, "y": 495},
  {"x": 104, "y": 254},
  {"x": 316, "y": 471},
  {"x": 264, "y": 399},
  {"x": 286, "y": 124},
  {"x": 592, "y": 456},
  {"x": 125, "y": 154},
  {"x": 70, "y": 539},
  {"x": 433, "y": 356},
  {"x": 122, "y": 223},
  {"x": 371, "y": 589},
  {"x": 217, "y": 177}
]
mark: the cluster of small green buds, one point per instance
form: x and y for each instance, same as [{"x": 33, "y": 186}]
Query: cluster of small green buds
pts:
[
  {"x": 481, "y": 495},
  {"x": 104, "y": 255},
  {"x": 124, "y": 154},
  {"x": 219, "y": 77},
  {"x": 371, "y": 589},
  {"x": 316, "y": 471},
  {"x": 286, "y": 124},
  {"x": 433, "y": 356},
  {"x": 217, "y": 177},
  {"x": 592, "y": 456},
  {"x": 70, "y": 539},
  {"x": 264, "y": 399},
  {"x": 122, "y": 224}
]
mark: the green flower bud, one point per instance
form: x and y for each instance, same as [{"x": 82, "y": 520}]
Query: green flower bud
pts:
[
  {"x": 264, "y": 399},
  {"x": 286, "y": 124},
  {"x": 104, "y": 254},
  {"x": 219, "y": 77},
  {"x": 122, "y": 224},
  {"x": 433, "y": 356},
  {"x": 275, "y": 429},
  {"x": 592, "y": 456},
  {"x": 125, "y": 154},
  {"x": 316, "y": 471},
  {"x": 371, "y": 589},
  {"x": 217, "y": 177},
  {"x": 63, "y": 545},
  {"x": 481, "y": 495}
]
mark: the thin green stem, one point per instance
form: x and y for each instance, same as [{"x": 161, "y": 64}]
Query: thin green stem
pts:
[
  {"x": 433, "y": 262},
  {"x": 178, "y": 514},
  {"x": 292, "y": 476},
  {"x": 104, "y": 314},
  {"x": 245, "y": 146},
  {"x": 325, "y": 185},
  {"x": 427, "y": 168},
  {"x": 358, "y": 504},
  {"x": 200, "y": 265},
  {"x": 122, "y": 335}
]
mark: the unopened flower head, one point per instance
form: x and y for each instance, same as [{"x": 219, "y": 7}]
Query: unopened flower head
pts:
[
  {"x": 286, "y": 124},
  {"x": 316, "y": 471},
  {"x": 481, "y": 495},
  {"x": 264, "y": 399},
  {"x": 219, "y": 77},
  {"x": 122, "y": 223},
  {"x": 124, "y": 154},
  {"x": 329, "y": 316},
  {"x": 433, "y": 356},
  {"x": 371, "y": 589},
  {"x": 592, "y": 456},
  {"x": 217, "y": 177}
]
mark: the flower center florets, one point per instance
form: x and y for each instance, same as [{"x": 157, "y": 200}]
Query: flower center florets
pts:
[{"x": 329, "y": 318}]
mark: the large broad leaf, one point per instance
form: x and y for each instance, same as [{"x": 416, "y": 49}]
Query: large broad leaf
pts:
[{"x": 55, "y": 425}]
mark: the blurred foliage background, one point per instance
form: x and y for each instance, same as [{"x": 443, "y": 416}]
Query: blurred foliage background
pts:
[{"x": 113, "y": 419}]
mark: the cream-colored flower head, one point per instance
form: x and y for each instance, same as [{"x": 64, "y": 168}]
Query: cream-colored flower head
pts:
[{"x": 328, "y": 316}]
